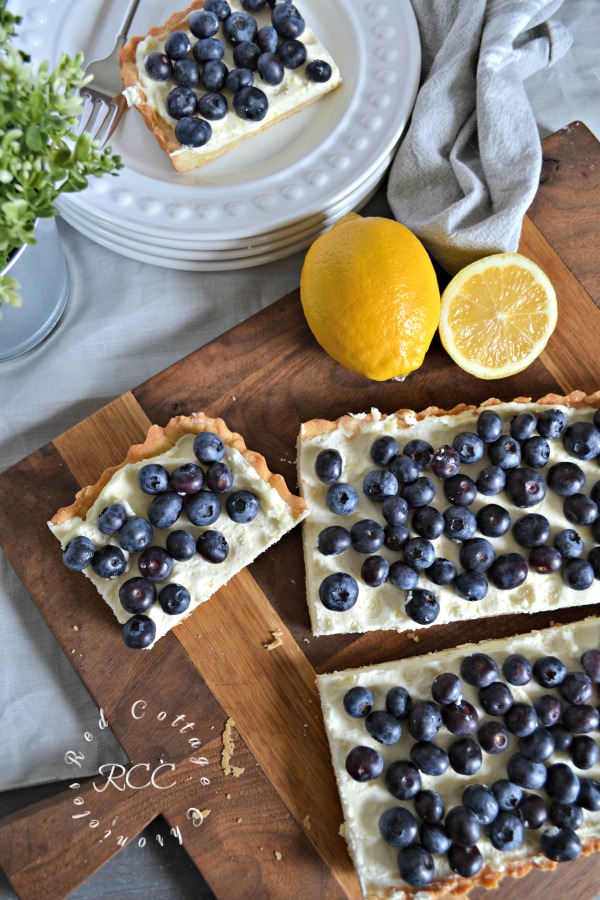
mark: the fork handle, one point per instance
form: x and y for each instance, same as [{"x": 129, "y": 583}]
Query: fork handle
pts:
[{"x": 127, "y": 20}]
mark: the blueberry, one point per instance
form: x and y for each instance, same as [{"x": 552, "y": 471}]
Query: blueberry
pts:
[
  {"x": 460, "y": 490},
  {"x": 187, "y": 478},
  {"x": 136, "y": 534},
  {"x": 398, "y": 827},
  {"x": 208, "y": 50},
  {"x": 429, "y": 806},
  {"x": 419, "y": 451},
  {"x": 287, "y": 21},
  {"x": 531, "y": 530},
  {"x": 462, "y": 826},
  {"x": 358, "y": 701},
  {"x": 139, "y": 632},
  {"x": 505, "y": 452},
  {"x": 565, "y": 815},
  {"x": 165, "y": 509},
  {"x": 242, "y": 506},
  {"x": 137, "y": 595},
  {"x": 493, "y": 520},
  {"x": 481, "y": 802},
  {"x": 565, "y": 478},
  {"x": 445, "y": 462},
  {"x": 396, "y": 536},
  {"x": 532, "y": 811},
  {"x": 329, "y": 466},
  {"x": 424, "y": 720},
  {"x": 418, "y": 553},
  {"x": 434, "y": 838},
  {"x": 420, "y": 492},
  {"x": 402, "y": 779},
  {"x": 375, "y": 570},
  {"x": 379, "y": 484},
  {"x": 112, "y": 518},
  {"x": 508, "y": 571},
  {"x": 186, "y": 72},
  {"x": 220, "y": 8},
  {"x": 108, "y": 562},
  {"x": 404, "y": 468},
  {"x": 496, "y": 698},
  {"x": 384, "y": 449},
  {"x": 177, "y": 45},
  {"x": 544, "y": 559},
  {"x": 203, "y": 508},
  {"x": 78, "y": 553},
  {"x": 560, "y": 844},
  {"x": 522, "y": 425},
  {"x": 367, "y": 536},
  {"x": 537, "y": 746},
  {"x": 493, "y": 737},
  {"x": 219, "y": 477},
  {"x": 562, "y": 783},
  {"x": 333, "y": 540},
  {"x": 394, "y": 510},
  {"x": 155, "y": 564},
  {"x": 521, "y": 719},
  {"x": 429, "y": 758},
  {"x": 422, "y": 606},
  {"x": 441, "y": 571},
  {"x": 549, "y": 671},
  {"x": 245, "y": 55},
  {"x": 465, "y": 757},
  {"x": 569, "y": 543},
  {"x": 525, "y": 486},
  {"x": 212, "y": 546},
  {"x": 403, "y": 576},
  {"x": 428, "y": 522},
  {"x": 212, "y": 105},
  {"x": 338, "y": 592},
  {"x": 506, "y": 832},
  {"x": 250, "y": 103},
  {"x": 578, "y": 574},
  {"x": 517, "y": 669},
  {"x": 580, "y": 509},
  {"x": 253, "y": 5},
  {"x": 174, "y": 599},
  {"x": 536, "y": 452},
  {"x": 465, "y": 861},
  {"x": 238, "y": 78},
  {"x": 584, "y": 752},
  {"x": 239, "y": 26},
  {"x": 472, "y": 586},
  {"x": 446, "y": 688},
  {"x": 193, "y": 132},
  {"x": 398, "y": 702},
  {"x": 489, "y": 425},
  {"x": 491, "y": 480},
  {"x": 594, "y": 560},
  {"x": 213, "y": 75},
  {"x": 292, "y": 53},
  {"x": 383, "y": 727},
  {"x": 479, "y": 669},
  {"x": 548, "y": 708},
  {"x": 590, "y": 661},
  {"x": 589, "y": 794},
  {"x": 204, "y": 23},
  {"x": 364, "y": 764},
  {"x": 415, "y": 863},
  {"x": 158, "y": 66},
  {"x": 460, "y": 523},
  {"x": 153, "y": 478},
  {"x": 582, "y": 440},
  {"x": 180, "y": 544},
  {"x": 341, "y": 499},
  {"x": 208, "y": 447},
  {"x": 576, "y": 688},
  {"x": 267, "y": 39},
  {"x": 508, "y": 794},
  {"x": 460, "y": 718},
  {"x": 477, "y": 554},
  {"x": 551, "y": 423},
  {"x": 318, "y": 70},
  {"x": 469, "y": 446}
]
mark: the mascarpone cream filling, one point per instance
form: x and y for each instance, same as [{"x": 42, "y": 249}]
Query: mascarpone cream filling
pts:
[
  {"x": 375, "y": 861},
  {"x": 383, "y": 607}
]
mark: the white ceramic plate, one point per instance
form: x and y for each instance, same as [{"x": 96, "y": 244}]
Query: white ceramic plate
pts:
[{"x": 291, "y": 171}]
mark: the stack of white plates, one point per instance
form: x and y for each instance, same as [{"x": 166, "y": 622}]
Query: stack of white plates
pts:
[{"x": 274, "y": 193}]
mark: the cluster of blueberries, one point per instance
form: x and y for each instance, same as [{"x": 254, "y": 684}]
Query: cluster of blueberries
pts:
[
  {"x": 401, "y": 489},
  {"x": 188, "y": 489},
  {"x": 265, "y": 51},
  {"x": 537, "y": 792}
]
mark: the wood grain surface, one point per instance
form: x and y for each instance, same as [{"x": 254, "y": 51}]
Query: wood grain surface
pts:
[{"x": 262, "y": 821}]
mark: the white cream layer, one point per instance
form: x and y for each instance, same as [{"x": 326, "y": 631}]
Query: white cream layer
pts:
[
  {"x": 383, "y": 607},
  {"x": 363, "y": 804},
  {"x": 295, "y": 91},
  {"x": 201, "y": 578}
]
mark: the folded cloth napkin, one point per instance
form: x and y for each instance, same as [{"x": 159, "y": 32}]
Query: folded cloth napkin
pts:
[{"x": 469, "y": 164}]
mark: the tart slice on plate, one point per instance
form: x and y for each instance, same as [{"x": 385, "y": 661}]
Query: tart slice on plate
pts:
[{"x": 184, "y": 512}]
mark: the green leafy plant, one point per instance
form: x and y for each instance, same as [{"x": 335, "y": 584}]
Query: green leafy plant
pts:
[{"x": 40, "y": 154}]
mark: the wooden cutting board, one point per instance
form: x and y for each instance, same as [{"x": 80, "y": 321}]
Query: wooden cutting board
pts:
[{"x": 262, "y": 818}]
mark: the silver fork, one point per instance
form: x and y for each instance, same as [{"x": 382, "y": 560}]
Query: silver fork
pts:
[{"x": 104, "y": 103}]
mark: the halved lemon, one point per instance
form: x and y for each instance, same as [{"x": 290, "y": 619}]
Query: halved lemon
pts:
[{"x": 497, "y": 315}]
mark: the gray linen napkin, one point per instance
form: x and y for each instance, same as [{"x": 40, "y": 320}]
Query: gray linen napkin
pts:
[{"x": 469, "y": 164}]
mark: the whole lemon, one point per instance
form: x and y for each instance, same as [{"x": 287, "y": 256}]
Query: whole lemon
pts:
[{"x": 370, "y": 296}]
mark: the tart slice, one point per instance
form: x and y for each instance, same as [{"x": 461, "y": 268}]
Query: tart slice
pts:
[
  {"x": 435, "y": 517},
  {"x": 215, "y": 74},
  {"x": 464, "y": 765},
  {"x": 184, "y": 512}
]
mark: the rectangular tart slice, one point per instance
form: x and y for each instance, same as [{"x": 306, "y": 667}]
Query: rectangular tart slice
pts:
[
  {"x": 501, "y": 804},
  {"x": 184, "y": 512},
  {"x": 229, "y": 106},
  {"x": 434, "y": 524}
]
